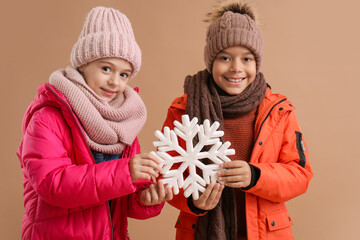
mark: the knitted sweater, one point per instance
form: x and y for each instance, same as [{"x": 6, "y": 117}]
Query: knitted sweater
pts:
[{"x": 240, "y": 132}]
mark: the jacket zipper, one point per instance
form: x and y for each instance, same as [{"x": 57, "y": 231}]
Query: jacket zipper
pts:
[
  {"x": 257, "y": 136},
  {"x": 88, "y": 148},
  {"x": 272, "y": 108},
  {"x": 110, "y": 218}
]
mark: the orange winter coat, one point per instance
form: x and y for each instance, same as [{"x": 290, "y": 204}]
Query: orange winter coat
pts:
[{"x": 280, "y": 154}]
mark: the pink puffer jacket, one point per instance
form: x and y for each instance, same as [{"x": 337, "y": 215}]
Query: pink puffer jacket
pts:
[{"x": 65, "y": 193}]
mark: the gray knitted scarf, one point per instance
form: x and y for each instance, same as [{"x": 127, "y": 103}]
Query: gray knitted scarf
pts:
[{"x": 108, "y": 126}]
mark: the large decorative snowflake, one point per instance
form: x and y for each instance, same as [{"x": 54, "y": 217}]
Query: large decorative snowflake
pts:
[{"x": 191, "y": 156}]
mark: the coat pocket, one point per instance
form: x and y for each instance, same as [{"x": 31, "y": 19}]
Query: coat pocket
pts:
[{"x": 279, "y": 220}]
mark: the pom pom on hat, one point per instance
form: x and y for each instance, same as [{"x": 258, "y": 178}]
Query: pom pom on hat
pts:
[
  {"x": 106, "y": 33},
  {"x": 234, "y": 6},
  {"x": 232, "y": 23}
]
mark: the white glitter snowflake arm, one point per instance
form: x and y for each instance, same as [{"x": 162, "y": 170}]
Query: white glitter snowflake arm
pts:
[{"x": 190, "y": 158}]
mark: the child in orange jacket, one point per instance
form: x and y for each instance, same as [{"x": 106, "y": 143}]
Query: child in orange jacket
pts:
[{"x": 271, "y": 163}]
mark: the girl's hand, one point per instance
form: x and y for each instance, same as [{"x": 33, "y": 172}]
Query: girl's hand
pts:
[
  {"x": 144, "y": 165},
  {"x": 156, "y": 194},
  {"x": 210, "y": 197},
  {"x": 236, "y": 175}
]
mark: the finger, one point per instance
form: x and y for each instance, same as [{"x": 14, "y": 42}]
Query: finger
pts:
[
  {"x": 143, "y": 176},
  {"x": 154, "y": 195},
  {"x": 238, "y": 178},
  {"x": 151, "y": 157},
  {"x": 233, "y": 164},
  {"x": 235, "y": 184},
  {"x": 229, "y": 171},
  {"x": 150, "y": 163},
  {"x": 230, "y": 164},
  {"x": 232, "y": 172},
  {"x": 150, "y": 171},
  {"x": 207, "y": 191},
  {"x": 155, "y": 157},
  {"x": 169, "y": 194},
  {"x": 146, "y": 197},
  {"x": 218, "y": 195},
  {"x": 201, "y": 202},
  {"x": 213, "y": 194},
  {"x": 161, "y": 191}
]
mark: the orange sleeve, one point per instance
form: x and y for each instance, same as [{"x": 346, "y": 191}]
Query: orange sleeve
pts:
[{"x": 288, "y": 176}]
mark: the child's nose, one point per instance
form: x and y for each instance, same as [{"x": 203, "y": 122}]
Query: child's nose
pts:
[
  {"x": 237, "y": 66},
  {"x": 114, "y": 80}
]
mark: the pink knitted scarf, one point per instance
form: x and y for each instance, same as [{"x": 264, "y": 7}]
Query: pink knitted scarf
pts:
[{"x": 108, "y": 126}]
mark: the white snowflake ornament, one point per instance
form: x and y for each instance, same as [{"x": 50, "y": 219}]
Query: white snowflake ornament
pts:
[{"x": 190, "y": 157}]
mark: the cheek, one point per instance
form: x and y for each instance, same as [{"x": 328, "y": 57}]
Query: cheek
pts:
[
  {"x": 123, "y": 86},
  {"x": 217, "y": 79},
  {"x": 252, "y": 78},
  {"x": 251, "y": 74},
  {"x": 252, "y": 70},
  {"x": 93, "y": 88},
  {"x": 93, "y": 84},
  {"x": 217, "y": 72}
]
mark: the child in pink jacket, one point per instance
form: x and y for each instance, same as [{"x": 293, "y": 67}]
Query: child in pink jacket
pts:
[{"x": 83, "y": 174}]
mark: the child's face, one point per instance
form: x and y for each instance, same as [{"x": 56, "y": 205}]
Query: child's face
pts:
[
  {"x": 234, "y": 68},
  {"x": 107, "y": 77}
]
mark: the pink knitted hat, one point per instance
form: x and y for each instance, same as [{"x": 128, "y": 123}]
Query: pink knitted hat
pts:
[
  {"x": 106, "y": 33},
  {"x": 233, "y": 23}
]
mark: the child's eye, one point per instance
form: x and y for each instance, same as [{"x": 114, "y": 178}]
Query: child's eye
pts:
[
  {"x": 124, "y": 75},
  {"x": 106, "y": 69},
  {"x": 224, "y": 58},
  {"x": 248, "y": 59}
]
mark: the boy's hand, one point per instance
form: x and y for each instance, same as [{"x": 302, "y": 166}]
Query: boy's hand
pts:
[
  {"x": 144, "y": 165},
  {"x": 156, "y": 194},
  {"x": 237, "y": 174},
  {"x": 210, "y": 197}
]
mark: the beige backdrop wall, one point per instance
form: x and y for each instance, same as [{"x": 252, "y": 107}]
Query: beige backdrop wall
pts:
[{"x": 311, "y": 55}]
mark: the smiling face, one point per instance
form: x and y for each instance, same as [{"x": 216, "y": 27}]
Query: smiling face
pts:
[
  {"x": 234, "y": 68},
  {"x": 107, "y": 77}
]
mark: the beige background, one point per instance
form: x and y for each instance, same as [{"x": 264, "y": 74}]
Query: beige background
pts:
[{"x": 311, "y": 55}]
